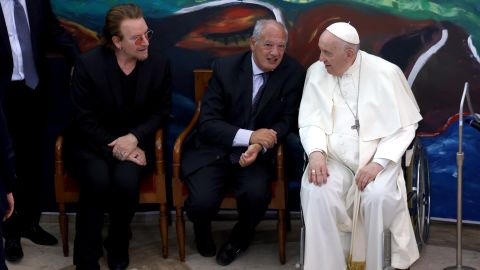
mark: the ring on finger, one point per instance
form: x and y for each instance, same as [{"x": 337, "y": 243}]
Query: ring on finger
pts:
[{"x": 313, "y": 171}]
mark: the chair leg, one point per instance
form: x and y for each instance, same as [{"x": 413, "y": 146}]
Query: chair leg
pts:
[
  {"x": 63, "y": 223},
  {"x": 164, "y": 228},
  {"x": 180, "y": 226},
  {"x": 281, "y": 230}
]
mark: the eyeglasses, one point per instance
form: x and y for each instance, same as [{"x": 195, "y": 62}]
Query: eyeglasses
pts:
[{"x": 138, "y": 40}]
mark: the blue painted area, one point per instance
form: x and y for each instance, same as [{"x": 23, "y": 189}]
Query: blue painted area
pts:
[{"x": 442, "y": 155}]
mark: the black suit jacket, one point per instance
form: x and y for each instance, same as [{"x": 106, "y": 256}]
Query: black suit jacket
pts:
[
  {"x": 227, "y": 103},
  {"x": 46, "y": 34},
  {"x": 98, "y": 103},
  {"x": 7, "y": 163}
]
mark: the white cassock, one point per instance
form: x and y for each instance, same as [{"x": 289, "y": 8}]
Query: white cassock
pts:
[{"x": 388, "y": 116}]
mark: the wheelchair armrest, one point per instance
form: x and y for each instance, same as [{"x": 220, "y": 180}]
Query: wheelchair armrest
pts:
[{"x": 408, "y": 156}]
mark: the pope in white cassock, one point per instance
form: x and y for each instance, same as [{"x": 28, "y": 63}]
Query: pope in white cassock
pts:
[{"x": 357, "y": 117}]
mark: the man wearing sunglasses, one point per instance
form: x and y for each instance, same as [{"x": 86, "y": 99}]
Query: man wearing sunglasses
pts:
[{"x": 121, "y": 96}]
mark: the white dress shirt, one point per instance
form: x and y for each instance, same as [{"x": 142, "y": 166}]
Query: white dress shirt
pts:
[
  {"x": 242, "y": 138},
  {"x": 7, "y": 8}
]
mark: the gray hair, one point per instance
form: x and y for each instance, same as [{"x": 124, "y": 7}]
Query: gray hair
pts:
[
  {"x": 260, "y": 25},
  {"x": 355, "y": 47},
  {"x": 348, "y": 45}
]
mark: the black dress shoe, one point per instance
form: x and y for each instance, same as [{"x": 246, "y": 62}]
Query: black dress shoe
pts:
[
  {"x": 13, "y": 250},
  {"x": 39, "y": 236},
  {"x": 227, "y": 254},
  {"x": 119, "y": 265},
  {"x": 117, "y": 257},
  {"x": 87, "y": 266},
  {"x": 206, "y": 247},
  {"x": 116, "y": 262},
  {"x": 203, "y": 236}
]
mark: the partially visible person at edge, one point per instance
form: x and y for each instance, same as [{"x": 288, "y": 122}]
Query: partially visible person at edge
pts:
[
  {"x": 121, "y": 96},
  {"x": 357, "y": 117},
  {"x": 28, "y": 29},
  {"x": 251, "y": 104},
  {"x": 7, "y": 177}
]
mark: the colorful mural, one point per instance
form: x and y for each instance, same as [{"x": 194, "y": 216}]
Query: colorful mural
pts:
[{"x": 433, "y": 42}]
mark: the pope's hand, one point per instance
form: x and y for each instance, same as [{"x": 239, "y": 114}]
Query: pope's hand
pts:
[
  {"x": 367, "y": 174},
  {"x": 317, "y": 168}
]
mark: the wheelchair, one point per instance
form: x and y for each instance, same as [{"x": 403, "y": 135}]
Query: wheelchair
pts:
[{"x": 417, "y": 180}]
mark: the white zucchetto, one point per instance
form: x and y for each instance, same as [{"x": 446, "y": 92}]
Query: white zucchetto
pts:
[{"x": 345, "y": 32}]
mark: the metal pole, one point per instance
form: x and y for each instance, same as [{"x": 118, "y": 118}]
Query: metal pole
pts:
[
  {"x": 460, "y": 158},
  {"x": 387, "y": 250}
]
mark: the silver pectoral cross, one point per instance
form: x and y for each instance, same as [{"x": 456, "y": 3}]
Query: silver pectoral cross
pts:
[{"x": 356, "y": 126}]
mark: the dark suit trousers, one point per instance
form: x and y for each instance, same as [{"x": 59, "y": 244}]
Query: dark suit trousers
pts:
[
  {"x": 3, "y": 266},
  {"x": 26, "y": 117},
  {"x": 110, "y": 186},
  {"x": 251, "y": 186},
  {"x": 3, "y": 206}
]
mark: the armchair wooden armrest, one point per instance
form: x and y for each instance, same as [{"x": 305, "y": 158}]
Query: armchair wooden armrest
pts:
[{"x": 177, "y": 184}]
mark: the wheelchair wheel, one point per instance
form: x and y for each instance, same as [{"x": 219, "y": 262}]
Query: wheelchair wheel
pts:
[{"x": 418, "y": 189}]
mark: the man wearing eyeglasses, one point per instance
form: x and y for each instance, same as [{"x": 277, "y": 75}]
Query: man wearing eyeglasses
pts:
[
  {"x": 121, "y": 96},
  {"x": 251, "y": 104},
  {"x": 28, "y": 29}
]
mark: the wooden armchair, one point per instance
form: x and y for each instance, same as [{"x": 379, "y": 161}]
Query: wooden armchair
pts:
[
  {"x": 152, "y": 190},
  {"x": 180, "y": 192}
]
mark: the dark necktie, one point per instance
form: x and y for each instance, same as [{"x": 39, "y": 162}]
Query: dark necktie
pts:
[
  {"x": 258, "y": 96},
  {"x": 237, "y": 151},
  {"x": 23, "y": 33}
]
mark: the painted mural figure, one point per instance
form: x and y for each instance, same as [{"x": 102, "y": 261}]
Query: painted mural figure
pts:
[
  {"x": 28, "y": 29},
  {"x": 251, "y": 104},
  {"x": 121, "y": 96},
  {"x": 357, "y": 118}
]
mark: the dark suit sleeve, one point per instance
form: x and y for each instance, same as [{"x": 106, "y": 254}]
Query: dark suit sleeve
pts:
[
  {"x": 293, "y": 92},
  {"x": 7, "y": 156},
  {"x": 158, "y": 103},
  {"x": 213, "y": 126},
  {"x": 58, "y": 36},
  {"x": 86, "y": 107}
]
